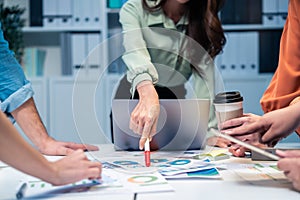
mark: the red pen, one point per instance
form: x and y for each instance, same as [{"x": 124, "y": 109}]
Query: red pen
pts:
[{"x": 147, "y": 153}]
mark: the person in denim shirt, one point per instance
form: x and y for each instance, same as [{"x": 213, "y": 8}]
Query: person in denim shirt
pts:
[
  {"x": 60, "y": 172},
  {"x": 16, "y": 101}
]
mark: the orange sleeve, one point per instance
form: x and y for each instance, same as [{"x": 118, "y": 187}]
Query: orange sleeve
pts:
[{"x": 285, "y": 84}]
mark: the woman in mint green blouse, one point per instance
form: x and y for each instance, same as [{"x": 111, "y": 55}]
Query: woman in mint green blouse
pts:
[{"x": 166, "y": 42}]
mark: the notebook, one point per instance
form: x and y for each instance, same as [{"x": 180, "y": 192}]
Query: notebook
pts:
[{"x": 182, "y": 125}]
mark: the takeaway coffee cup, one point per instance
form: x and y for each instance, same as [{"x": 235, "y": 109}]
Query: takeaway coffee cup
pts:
[{"x": 228, "y": 105}]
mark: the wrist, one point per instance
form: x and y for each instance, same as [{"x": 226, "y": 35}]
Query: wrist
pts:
[
  {"x": 53, "y": 175},
  {"x": 143, "y": 83},
  {"x": 146, "y": 89},
  {"x": 43, "y": 143}
]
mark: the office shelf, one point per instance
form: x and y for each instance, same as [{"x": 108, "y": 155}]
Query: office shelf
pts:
[
  {"x": 61, "y": 29},
  {"x": 251, "y": 27}
]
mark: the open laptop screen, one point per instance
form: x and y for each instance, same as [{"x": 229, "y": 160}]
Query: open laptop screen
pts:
[{"x": 182, "y": 124}]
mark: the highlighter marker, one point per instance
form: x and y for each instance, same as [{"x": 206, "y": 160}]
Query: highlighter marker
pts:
[{"x": 147, "y": 153}]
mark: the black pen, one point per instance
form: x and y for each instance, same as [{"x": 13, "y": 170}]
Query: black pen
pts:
[{"x": 21, "y": 190}]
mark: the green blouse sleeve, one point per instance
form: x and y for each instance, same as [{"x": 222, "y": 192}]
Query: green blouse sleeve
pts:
[{"x": 136, "y": 55}]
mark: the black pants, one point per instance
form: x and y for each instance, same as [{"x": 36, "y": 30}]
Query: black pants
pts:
[{"x": 123, "y": 92}]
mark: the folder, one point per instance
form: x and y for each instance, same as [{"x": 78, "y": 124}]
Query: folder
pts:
[
  {"x": 50, "y": 9},
  {"x": 96, "y": 21},
  {"x": 77, "y": 16},
  {"x": 93, "y": 50},
  {"x": 36, "y": 12},
  {"x": 251, "y": 51},
  {"x": 241, "y": 51},
  {"x": 234, "y": 57},
  {"x": 78, "y": 52},
  {"x": 66, "y": 55},
  {"x": 282, "y": 11},
  {"x": 270, "y": 6},
  {"x": 86, "y": 11},
  {"x": 230, "y": 58},
  {"x": 64, "y": 13},
  {"x": 283, "y": 6},
  {"x": 270, "y": 19},
  {"x": 270, "y": 12}
]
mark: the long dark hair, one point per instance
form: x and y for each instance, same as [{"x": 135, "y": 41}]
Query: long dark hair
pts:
[{"x": 204, "y": 24}]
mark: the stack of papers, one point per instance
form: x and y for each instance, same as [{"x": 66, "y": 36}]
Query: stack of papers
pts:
[{"x": 127, "y": 174}]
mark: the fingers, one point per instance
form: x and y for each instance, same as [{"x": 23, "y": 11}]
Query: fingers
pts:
[
  {"x": 75, "y": 146},
  {"x": 143, "y": 120},
  {"x": 62, "y": 150},
  {"x": 239, "y": 131},
  {"x": 288, "y": 154},
  {"x": 290, "y": 166},
  {"x": 285, "y": 165},
  {"x": 221, "y": 142},
  {"x": 93, "y": 169},
  {"x": 237, "y": 150},
  {"x": 237, "y": 121},
  {"x": 243, "y": 126},
  {"x": 67, "y": 148},
  {"x": 142, "y": 142},
  {"x": 232, "y": 123},
  {"x": 218, "y": 141},
  {"x": 91, "y": 147}
]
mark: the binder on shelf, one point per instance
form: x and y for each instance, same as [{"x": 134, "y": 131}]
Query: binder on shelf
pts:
[
  {"x": 283, "y": 6},
  {"x": 282, "y": 11},
  {"x": 93, "y": 52},
  {"x": 250, "y": 52},
  {"x": 36, "y": 12},
  {"x": 234, "y": 57},
  {"x": 66, "y": 54},
  {"x": 268, "y": 60},
  {"x": 95, "y": 13},
  {"x": 64, "y": 13},
  {"x": 228, "y": 60},
  {"x": 240, "y": 53},
  {"x": 77, "y": 16},
  {"x": 115, "y": 51},
  {"x": 281, "y": 18},
  {"x": 269, "y": 6},
  {"x": 87, "y": 13},
  {"x": 269, "y": 10},
  {"x": 50, "y": 9},
  {"x": 78, "y": 52},
  {"x": 270, "y": 19},
  {"x": 274, "y": 12},
  {"x": 241, "y": 12}
]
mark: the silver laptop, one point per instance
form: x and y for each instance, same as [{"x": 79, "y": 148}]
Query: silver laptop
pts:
[{"x": 182, "y": 125}]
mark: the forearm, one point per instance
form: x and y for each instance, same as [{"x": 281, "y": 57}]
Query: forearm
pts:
[
  {"x": 29, "y": 120},
  {"x": 19, "y": 154},
  {"x": 295, "y": 113}
]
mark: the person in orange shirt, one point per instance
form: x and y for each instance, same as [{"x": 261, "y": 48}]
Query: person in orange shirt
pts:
[{"x": 280, "y": 101}]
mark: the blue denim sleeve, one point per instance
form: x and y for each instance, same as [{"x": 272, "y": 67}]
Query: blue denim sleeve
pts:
[{"x": 15, "y": 89}]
